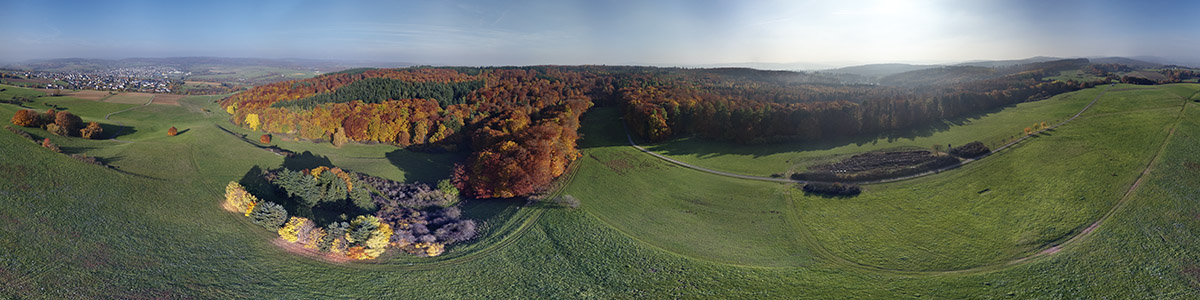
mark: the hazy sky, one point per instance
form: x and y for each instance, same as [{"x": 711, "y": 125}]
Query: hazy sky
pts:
[{"x": 601, "y": 32}]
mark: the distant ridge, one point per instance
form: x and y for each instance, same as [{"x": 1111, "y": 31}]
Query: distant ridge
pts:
[
  {"x": 187, "y": 63},
  {"x": 1007, "y": 63},
  {"x": 878, "y": 70},
  {"x": 1134, "y": 63}
]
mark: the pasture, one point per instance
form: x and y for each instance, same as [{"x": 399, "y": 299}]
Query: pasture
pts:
[{"x": 153, "y": 227}]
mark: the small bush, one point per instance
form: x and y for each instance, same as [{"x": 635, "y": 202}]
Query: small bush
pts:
[
  {"x": 87, "y": 159},
  {"x": 833, "y": 189},
  {"x": 269, "y": 215},
  {"x": 172, "y": 131},
  {"x": 265, "y": 139},
  {"x": 46, "y": 143},
  {"x": 567, "y": 201},
  {"x": 970, "y": 150},
  {"x": 57, "y": 130}
]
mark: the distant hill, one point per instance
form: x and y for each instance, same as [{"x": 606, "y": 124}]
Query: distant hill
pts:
[
  {"x": 1004, "y": 63},
  {"x": 1133, "y": 63},
  {"x": 878, "y": 70},
  {"x": 193, "y": 64},
  {"x": 960, "y": 73},
  {"x": 940, "y": 75}
]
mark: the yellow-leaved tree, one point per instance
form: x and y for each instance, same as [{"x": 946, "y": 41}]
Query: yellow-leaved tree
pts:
[
  {"x": 237, "y": 199},
  {"x": 252, "y": 121},
  {"x": 378, "y": 242},
  {"x": 291, "y": 231}
]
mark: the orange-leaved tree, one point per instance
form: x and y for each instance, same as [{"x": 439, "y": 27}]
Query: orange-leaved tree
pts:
[
  {"x": 172, "y": 131},
  {"x": 92, "y": 131},
  {"x": 265, "y": 139},
  {"x": 25, "y": 118}
]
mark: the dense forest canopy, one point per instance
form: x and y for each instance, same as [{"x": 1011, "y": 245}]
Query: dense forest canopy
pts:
[{"x": 520, "y": 123}]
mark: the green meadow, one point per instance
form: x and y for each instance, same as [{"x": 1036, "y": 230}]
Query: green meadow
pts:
[{"x": 1018, "y": 224}]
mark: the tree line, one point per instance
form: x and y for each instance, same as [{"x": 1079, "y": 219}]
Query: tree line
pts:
[{"x": 520, "y": 124}]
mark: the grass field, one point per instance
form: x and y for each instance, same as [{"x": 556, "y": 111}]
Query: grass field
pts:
[
  {"x": 993, "y": 129},
  {"x": 646, "y": 229},
  {"x": 251, "y": 73},
  {"x": 1076, "y": 75}
]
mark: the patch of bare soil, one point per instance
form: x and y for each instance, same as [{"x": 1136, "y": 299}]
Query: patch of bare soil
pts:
[
  {"x": 89, "y": 95},
  {"x": 878, "y": 160},
  {"x": 167, "y": 99},
  {"x": 878, "y": 165}
]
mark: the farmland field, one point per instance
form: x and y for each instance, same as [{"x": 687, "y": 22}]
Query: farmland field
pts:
[{"x": 152, "y": 228}]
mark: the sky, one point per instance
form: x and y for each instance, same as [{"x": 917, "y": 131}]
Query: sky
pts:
[{"x": 572, "y": 32}]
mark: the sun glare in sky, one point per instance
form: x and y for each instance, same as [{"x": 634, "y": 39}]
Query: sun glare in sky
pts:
[{"x": 602, "y": 32}]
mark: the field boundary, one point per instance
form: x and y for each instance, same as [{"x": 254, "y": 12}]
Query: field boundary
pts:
[{"x": 887, "y": 180}]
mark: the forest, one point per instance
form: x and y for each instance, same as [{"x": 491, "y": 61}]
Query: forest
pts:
[{"x": 520, "y": 124}]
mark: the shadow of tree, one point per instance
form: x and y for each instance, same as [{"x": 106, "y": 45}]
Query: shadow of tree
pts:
[
  {"x": 115, "y": 131},
  {"x": 306, "y": 160},
  {"x": 423, "y": 167}
]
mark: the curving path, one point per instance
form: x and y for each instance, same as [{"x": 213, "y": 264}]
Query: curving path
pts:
[
  {"x": 894, "y": 179},
  {"x": 118, "y": 133}
]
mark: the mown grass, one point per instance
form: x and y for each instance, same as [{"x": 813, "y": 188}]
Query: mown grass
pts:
[
  {"x": 1007, "y": 206},
  {"x": 993, "y": 129},
  {"x": 72, "y": 230},
  {"x": 680, "y": 210}
]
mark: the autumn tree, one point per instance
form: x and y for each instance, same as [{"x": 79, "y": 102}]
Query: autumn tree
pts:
[
  {"x": 238, "y": 200},
  {"x": 25, "y": 118},
  {"x": 92, "y": 131},
  {"x": 68, "y": 121},
  {"x": 252, "y": 121},
  {"x": 339, "y": 137},
  {"x": 172, "y": 131},
  {"x": 265, "y": 139},
  {"x": 47, "y": 118},
  {"x": 291, "y": 230}
]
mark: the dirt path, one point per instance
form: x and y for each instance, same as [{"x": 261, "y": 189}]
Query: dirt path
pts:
[
  {"x": 893, "y": 179},
  {"x": 115, "y": 134}
]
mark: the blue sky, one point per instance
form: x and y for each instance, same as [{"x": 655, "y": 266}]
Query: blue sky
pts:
[{"x": 602, "y": 32}]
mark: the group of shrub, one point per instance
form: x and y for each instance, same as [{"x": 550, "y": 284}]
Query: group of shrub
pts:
[
  {"x": 46, "y": 143},
  {"x": 425, "y": 219},
  {"x": 365, "y": 237},
  {"x": 970, "y": 150},
  {"x": 414, "y": 218},
  {"x": 832, "y": 189},
  {"x": 59, "y": 123}
]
